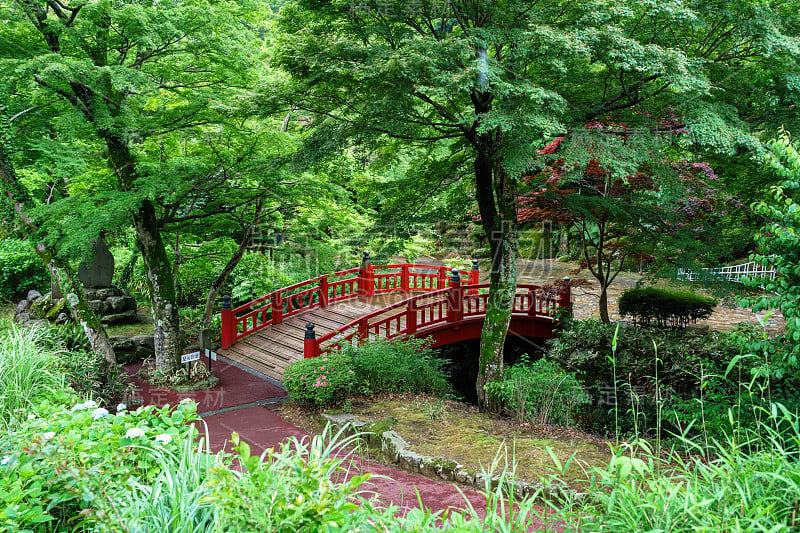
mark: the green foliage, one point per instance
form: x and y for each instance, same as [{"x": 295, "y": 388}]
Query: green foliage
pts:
[
  {"x": 178, "y": 500},
  {"x": 397, "y": 367},
  {"x": 66, "y": 456},
  {"x": 20, "y": 269},
  {"x": 300, "y": 486},
  {"x": 28, "y": 373},
  {"x": 320, "y": 381},
  {"x": 688, "y": 365},
  {"x": 751, "y": 484},
  {"x": 779, "y": 243},
  {"x": 665, "y": 307},
  {"x": 539, "y": 393}
]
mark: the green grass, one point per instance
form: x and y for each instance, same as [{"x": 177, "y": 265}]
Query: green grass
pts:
[{"x": 28, "y": 372}]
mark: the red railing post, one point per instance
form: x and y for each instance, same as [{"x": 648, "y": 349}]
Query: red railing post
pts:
[
  {"x": 411, "y": 317},
  {"x": 532, "y": 300},
  {"x": 455, "y": 300},
  {"x": 310, "y": 348},
  {"x": 474, "y": 277},
  {"x": 323, "y": 291},
  {"x": 440, "y": 281},
  {"x": 228, "y": 323},
  {"x": 404, "y": 280},
  {"x": 366, "y": 278},
  {"x": 277, "y": 308},
  {"x": 565, "y": 300},
  {"x": 363, "y": 332}
]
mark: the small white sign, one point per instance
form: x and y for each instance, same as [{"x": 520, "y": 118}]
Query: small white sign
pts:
[
  {"x": 189, "y": 357},
  {"x": 211, "y": 355}
]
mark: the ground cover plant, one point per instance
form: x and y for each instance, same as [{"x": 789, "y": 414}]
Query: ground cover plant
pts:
[
  {"x": 372, "y": 368},
  {"x": 539, "y": 392}
]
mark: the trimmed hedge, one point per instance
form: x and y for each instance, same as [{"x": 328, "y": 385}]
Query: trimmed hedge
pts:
[{"x": 665, "y": 307}]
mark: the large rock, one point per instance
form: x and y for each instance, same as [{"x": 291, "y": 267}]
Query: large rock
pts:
[
  {"x": 119, "y": 304},
  {"x": 33, "y": 294},
  {"x": 144, "y": 341},
  {"x": 126, "y": 317},
  {"x": 121, "y": 343},
  {"x": 22, "y": 307},
  {"x": 101, "y": 270},
  {"x": 100, "y": 307}
]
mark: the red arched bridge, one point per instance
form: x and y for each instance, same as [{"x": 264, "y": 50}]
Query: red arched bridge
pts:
[{"x": 317, "y": 316}]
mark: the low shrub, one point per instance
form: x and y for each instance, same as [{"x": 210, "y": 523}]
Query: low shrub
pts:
[
  {"x": 397, "y": 367},
  {"x": 665, "y": 307},
  {"x": 20, "y": 269},
  {"x": 687, "y": 365},
  {"x": 321, "y": 381},
  {"x": 539, "y": 393}
]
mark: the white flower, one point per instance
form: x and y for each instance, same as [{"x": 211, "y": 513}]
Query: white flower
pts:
[
  {"x": 5, "y": 460},
  {"x": 88, "y": 404},
  {"x": 185, "y": 401},
  {"x": 99, "y": 413},
  {"x": 134, "y": 433},
  {"x": 49, "y": 435},
  {"x": 121, "y": 407},
  {"x": 31, "y": 416},
  {"x": 164, "y": 438}
]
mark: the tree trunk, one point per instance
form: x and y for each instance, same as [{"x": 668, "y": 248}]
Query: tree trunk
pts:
[
  {"x": 168, "y": 344},
  {"x": 163, "y": 298},
  {"x": 604, "y": 316},
  {"x": 502, "y": 286},
  {"x": 495, "y": 193},
  {"x": 216, "y": 286},
  {"x": 81, "y": 311}
]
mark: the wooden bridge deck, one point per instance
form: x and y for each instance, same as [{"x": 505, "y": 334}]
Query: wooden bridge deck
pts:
[{"x": 272, "y": 349}]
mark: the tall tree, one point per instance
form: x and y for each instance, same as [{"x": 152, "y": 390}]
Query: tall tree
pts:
[
  {"x": 497, "y": 80},
  {"x": 135, "y": 71}
]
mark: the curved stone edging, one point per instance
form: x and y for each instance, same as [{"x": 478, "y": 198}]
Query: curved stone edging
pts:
[{"x": 395, "y": 449}]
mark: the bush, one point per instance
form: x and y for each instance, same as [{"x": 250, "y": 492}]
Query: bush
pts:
[
  {"x": 321, "y": 381},
  {"x": 665, "y": 307},
  {"x": 688, "y": 365},
  {"x": 397, "y": 367},
  {"x": 20, "y": 269},
  {"x": 539, "y": 393}
]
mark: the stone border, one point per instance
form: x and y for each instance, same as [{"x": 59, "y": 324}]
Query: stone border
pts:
[{"x": 395, "y": 449}]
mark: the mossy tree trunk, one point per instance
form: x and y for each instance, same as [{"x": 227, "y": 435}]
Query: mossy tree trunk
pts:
[{"x": 496, "y": 196}]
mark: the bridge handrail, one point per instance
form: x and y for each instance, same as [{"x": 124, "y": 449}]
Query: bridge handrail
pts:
[
  {"x": 272, "y": 308},
  {"x": 456, "y": 309}
]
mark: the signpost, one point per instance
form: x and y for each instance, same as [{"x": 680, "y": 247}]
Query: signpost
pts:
[{"x": 188, "y": 358}]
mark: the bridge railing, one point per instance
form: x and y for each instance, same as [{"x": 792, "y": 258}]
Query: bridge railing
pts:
[
  {"x": 366, "y": 281},
  {"x": 417, "y": 314}
]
